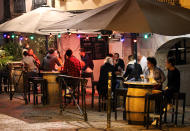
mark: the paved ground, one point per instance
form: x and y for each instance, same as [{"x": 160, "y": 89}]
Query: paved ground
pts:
[{"x": 16, "y": 116}]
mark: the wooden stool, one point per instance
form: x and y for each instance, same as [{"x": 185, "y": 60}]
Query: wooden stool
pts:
[{"x": 43, "y": 90}]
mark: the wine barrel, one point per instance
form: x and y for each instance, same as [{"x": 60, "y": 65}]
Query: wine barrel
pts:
[
  {"x": 135, "y": 103},
  {"x": 52, "y": 86}
]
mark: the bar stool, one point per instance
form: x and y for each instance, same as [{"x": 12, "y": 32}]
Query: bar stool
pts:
[
  {"x": 93, "y": 83},
  {"x": 120, "y": 92},
  {"x": 29, "y": 87},
  {"x": 42, "y": 92},
  {"x": 175, "y": 100},
  {"x": 157, "y": 110}
]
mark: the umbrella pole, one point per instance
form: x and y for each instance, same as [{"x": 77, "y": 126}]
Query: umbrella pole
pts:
[{"x": 46, "y": 43}]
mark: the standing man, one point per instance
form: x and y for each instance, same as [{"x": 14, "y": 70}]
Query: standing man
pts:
[
  {"x": 87, "y": 62},
  {"x": 118, "y": 63}
]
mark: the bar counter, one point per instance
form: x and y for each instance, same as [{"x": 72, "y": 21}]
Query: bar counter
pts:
[{"x": 135, "y": 100}]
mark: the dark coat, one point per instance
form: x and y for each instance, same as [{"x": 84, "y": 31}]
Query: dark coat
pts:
[
  {"x": 133, "y": 71},
  {"x": 103, "y": 79}
]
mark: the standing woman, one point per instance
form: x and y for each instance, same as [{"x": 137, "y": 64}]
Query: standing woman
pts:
[{"x": 154, "y": 74}]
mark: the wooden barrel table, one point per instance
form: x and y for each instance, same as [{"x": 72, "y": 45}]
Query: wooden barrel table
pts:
[
  {"x": 135, "y": 101},
  {"x": 52, "y": 87}
]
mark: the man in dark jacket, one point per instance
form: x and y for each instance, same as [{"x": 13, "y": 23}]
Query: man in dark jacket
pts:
[
  {"x": 173, "y": 78},
  {"x": 49, "y": 61},
  {"x": 133, "y": 70}
]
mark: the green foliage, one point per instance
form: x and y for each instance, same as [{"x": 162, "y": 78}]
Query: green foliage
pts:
[
  {"x": 11, "y": 52},
  {"x": 13, "y": 49}
]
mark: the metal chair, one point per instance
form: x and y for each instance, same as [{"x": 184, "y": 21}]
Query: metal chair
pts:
[{"x": 71, "y": 85}]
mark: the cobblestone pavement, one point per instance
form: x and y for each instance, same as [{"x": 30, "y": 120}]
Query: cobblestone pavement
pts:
[{"x": 16, "y": 116}]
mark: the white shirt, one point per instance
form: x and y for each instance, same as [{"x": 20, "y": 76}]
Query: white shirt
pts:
[{"x": 143, "y": 63}]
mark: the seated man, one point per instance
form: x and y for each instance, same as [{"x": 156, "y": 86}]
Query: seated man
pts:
[
  {"x": 29, "y": 62},
  {"x": 72, "y": 65},
  {"x": 88, "y": 63},
  {"x": 49, "y": 61},
  {"x": 173, "y": 78}
]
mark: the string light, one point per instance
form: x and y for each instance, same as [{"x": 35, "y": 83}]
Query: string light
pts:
[
  {"x": 59, "y": 36},
  {"x": 12, "y": 36},
  {"x": 122, "y": 39},
  {"x": 99, "y": 36},
  {"x": 78, "y": 35},
  {"x": 87, "y": 37},
  {"x": 8, "y": 36},
  {"x": 21, "y": 38},
  {"x": 26, "y": 38},
  {"x": 31, "y": 37},
  {"x": 135, "y": 40},
  {"x": 5, "y": 35},
  {"x": 146, "y": 36}
]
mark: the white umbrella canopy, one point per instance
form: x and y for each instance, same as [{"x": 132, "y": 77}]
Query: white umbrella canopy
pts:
[
  {"x": 135, "y": 16},
  {"x": 32, "y": 21}
]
